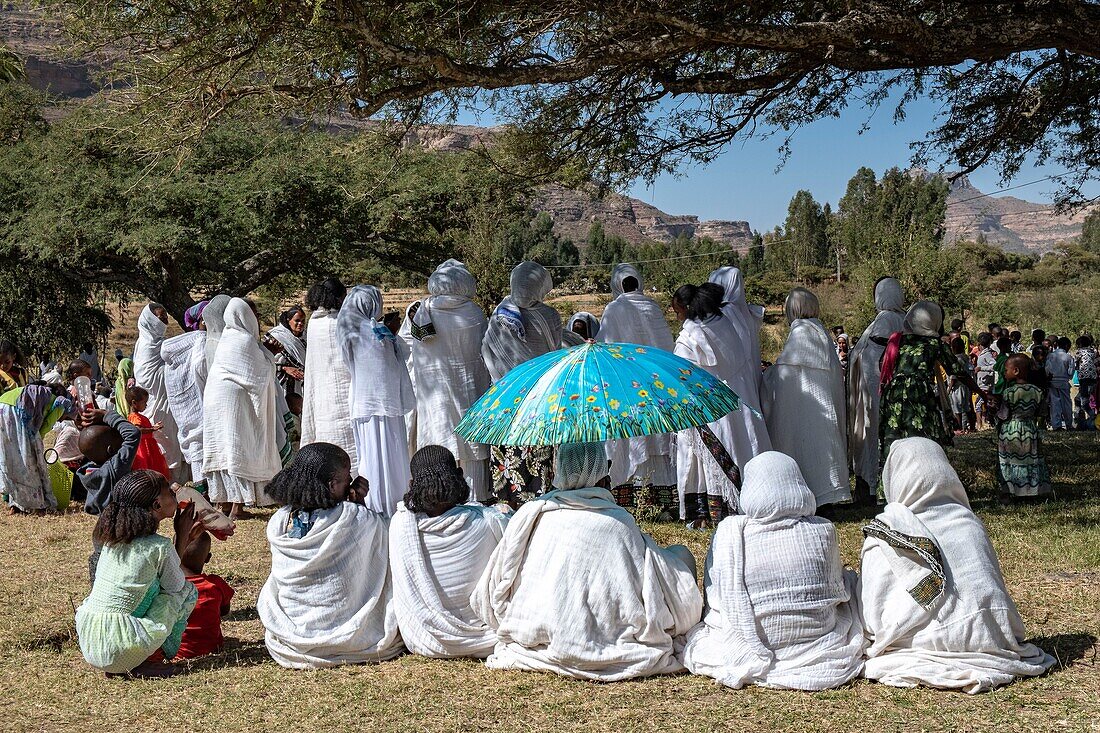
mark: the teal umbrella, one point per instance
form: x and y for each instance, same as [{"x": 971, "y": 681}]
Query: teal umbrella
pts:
[{"x": 596, "y": 392}]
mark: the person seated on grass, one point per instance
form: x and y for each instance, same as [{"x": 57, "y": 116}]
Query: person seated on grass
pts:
[
  {"x": 133, "y": 619},
  {"x": 439, "y": 547},
  {"x": 149, "y": 455},
  {"x": 779, "y": 602},
  {"x": 935, "y": 607},
  {"x": 576, "y": 588},
  {"x": 329, "y": 599},
  {"x": 203, "y": 634},
  {"x": 26, "y": 415}
]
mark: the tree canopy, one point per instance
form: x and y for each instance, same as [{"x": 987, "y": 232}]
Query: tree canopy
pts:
[{"x": 627, "y": 89}]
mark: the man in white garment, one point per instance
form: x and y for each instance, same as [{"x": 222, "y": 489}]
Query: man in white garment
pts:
[
  {"x": 642, "y": 462},
  {"x": 447, "y": 368},
  {"x": 149, "y": 373}
]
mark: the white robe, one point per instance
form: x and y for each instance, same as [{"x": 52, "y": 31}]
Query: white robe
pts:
[
  {"x": 646, "y": 460},
  {"x": 970, "y": 636},
  {"x": 804, "y": 406},
  {"x": 781, "y": 610},
  {"x": 436, "y": 564},
  {"x": 329, "y": 600},
  {"x": 185, "y": 380},
  {"x": 576, "y": 588},
  {"x": 714, "y": 346},
  {"x": 240, "y": 418},
  {"x": 326, "y": 412},
  {"x": 149, "y": 373}
]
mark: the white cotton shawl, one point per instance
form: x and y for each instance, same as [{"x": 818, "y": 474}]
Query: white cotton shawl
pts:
[
  {"x": 576, "y": 588},
  {"x": 570, "y": 338},
  {"x": 185, "y": 380},
  {"x": 374, "y": 356},
  {"x": 522, "y": 326},
  {"x": 804, "y": 406},
  {"x": 326, "y": 408},
  {"x": 436, "y": 564},
  {"x": 746, "y": 319},
  {"x": 213, "y": 315},
  {"x": 447, "y": 368},
  {"x": 293, "y": 347},
  {"x": 780, "y": 609},
  {"x": 970, "y": 636},
  {"x": 240, "y": 419},
  {"x": 924, "y": 318},
  {"x": 864, "y": 371},
  {"x": 149, "y": 373},
  {"x": 329, "y": 600}
]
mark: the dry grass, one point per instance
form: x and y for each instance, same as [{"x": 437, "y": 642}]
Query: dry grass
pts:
[{"x": 1050, "y": 554}]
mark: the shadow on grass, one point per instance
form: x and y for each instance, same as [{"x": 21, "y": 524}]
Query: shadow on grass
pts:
[
  {"x": 245, "y": 613},
  {"x": 1068, "y": 648},
  {"x": 54, "y": 640},
  {"x": 235, "y": 654}
]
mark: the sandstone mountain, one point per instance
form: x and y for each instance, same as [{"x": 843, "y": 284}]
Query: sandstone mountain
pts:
[{"x": 1010, "y": 222}]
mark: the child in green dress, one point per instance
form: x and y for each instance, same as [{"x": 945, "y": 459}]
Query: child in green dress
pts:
[
  {"x": 1023, "y": 470},
  {"x": 134, "y": 618}
]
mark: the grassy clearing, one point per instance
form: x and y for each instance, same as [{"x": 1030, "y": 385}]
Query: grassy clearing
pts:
[{"x": 1050, "y": 554}]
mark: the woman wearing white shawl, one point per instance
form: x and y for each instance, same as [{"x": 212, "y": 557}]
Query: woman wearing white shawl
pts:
[
  {"x": 326, "y": 410},
  {"x": 380, "y": 395},
  {"x": 576, "y": 588},
  {"x": 439, "y": 548},
  {"x": 935, "y": 606},
  {"x": 582, "y": 326},
  {"x": 213, "y": 316},
  {"x": 446, "y": 332},
  {"x": 149, "y": 373},
  {"x": 521, "y": 328},
  {"x": 240, "y": 418},
  {"x": 781, "y": 610},
  {"x": 290, "y": 362},
  {"x": 708, "y": 339},
  {"x": 328, "y": 600},
  {"x": 746, "y": 319},
  {"x": 645, "y": 461},
  {"x": 185, "y": 380},
  {"x": 864, "y": 371},
  {"x": 804, "y": 402}
]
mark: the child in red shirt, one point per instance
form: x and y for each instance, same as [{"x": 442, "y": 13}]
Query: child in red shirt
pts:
[
  {"x": 203, "y": 634},
  {"x": 149, "y": 455}
]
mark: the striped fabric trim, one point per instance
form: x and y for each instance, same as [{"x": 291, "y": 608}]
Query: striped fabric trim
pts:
[{"x": 929, "y": 588}]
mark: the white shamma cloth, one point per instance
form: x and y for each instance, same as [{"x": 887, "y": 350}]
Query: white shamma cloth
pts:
[
  {"x": 326, "y": 409},
  {"x": 804, "y": 402},
  {"x": 185, "y": 380},
  {"x": 436, "y": 564},
  {"x": 328, "y": 600},
  {"x": 935, "y": 606},
  {"x": 576, "y": 588},
  {"x": 780, "y": 607},
  {"x": 522, "y": 326},
  {"x": 149, "y": 373}
]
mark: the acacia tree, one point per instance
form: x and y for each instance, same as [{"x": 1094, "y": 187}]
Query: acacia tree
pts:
[{"x": 627, "y": 89}]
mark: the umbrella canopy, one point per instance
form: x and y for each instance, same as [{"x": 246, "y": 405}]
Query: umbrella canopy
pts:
[{"x": 595, "y": 392}]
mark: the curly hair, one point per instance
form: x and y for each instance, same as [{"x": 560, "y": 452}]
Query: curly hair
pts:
[
  {"x": 437, "y": 483},
  {"x": 304, "y": 484},
  {"x": 129, "y": 514},
  {"x": 134, "y": 393},
  {"x": 328, "y": 294}
]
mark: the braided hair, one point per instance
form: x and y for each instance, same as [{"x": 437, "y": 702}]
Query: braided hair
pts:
[
  {"x": 304, "y": 484},
  {"x": 437, "y": 483},
  {"x": 129, "y": 514}
]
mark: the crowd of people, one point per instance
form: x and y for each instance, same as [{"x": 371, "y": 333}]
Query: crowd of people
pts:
[{"x": 395, "y": 534}]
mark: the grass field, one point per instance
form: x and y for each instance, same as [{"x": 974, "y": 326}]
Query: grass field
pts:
[{"x": 1050, "y": 554}]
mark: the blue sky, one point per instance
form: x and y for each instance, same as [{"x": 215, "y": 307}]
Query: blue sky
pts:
[{"x": 742, "y": 184}]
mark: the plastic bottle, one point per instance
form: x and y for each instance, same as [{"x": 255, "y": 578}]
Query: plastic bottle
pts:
[{"x": 84, "y": 393}]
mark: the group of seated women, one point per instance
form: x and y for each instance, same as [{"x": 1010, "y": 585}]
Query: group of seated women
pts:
[{"x": 570, "y": 584}]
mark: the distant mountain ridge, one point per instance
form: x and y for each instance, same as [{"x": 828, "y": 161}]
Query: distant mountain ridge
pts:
[{"x": 1009, "y": 222}]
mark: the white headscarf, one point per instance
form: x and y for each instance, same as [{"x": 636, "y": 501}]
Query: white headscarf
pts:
[
  {"x": 744, "y": 318},
  {"x": 801, "y": 303},
  {"x": 522, "y": 326},
  {"x": 889, "y": 295},
  {"x": 294, "y": 347},
  {"x": 451, "y": 286},
  {"x": 579, "y": 465},
  {"x": 376, "y": 358},
  {"x": 147, "y": 357},
  {"x": 570, "y": 337},
  {"x": 213, "y": 315},
  {"x": 925, "y": 318},
  {"x": 620, "y": 272}
]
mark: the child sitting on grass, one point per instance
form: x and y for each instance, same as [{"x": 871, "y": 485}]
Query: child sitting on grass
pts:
[
  {"x": 133, "y": 619},
  {"x": 1023, "y": 470},
  {"x": 203, "y": 634},
  {"x": 149, "y": 455}
]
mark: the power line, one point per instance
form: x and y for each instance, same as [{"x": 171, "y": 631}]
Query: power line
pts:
[{"x": 1013, "y": 188}]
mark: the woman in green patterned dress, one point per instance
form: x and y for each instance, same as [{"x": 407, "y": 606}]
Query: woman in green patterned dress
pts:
[
  {"x": 1023, "y": 470},
  {"x": 910, "y": 404}
]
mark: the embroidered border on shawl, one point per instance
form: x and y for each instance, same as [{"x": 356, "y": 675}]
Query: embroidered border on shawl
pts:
[{"x": 929, "y": 589}]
